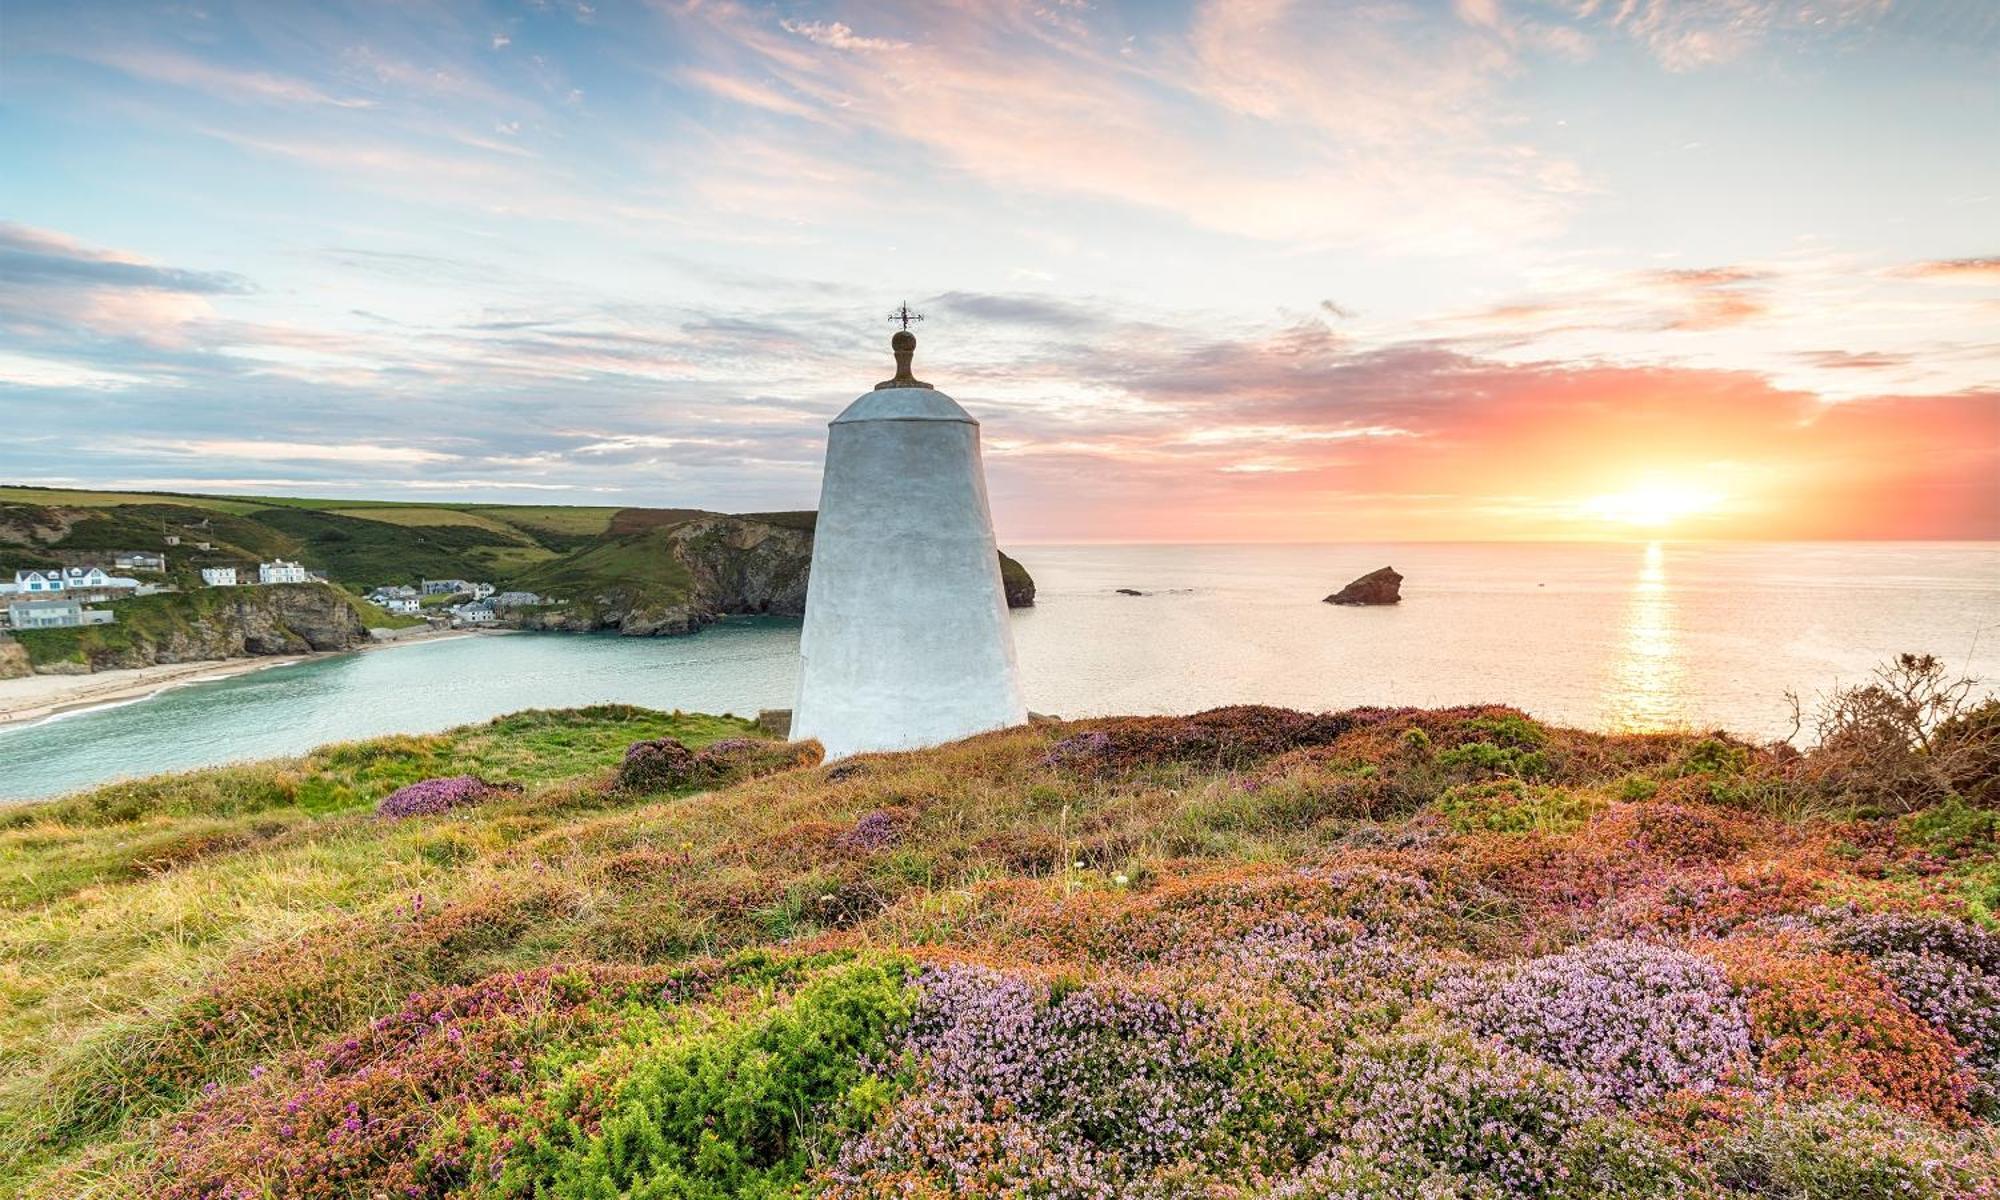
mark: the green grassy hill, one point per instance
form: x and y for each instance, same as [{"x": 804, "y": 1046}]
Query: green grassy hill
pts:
[
  {"x": 1387, "y": 954},
  {"x": 571, "y": 553}
]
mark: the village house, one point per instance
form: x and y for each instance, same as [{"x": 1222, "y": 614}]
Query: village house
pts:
[
  {"x": 473, "y": 614},
  {"x": 140, "y": 560},
  {"x": 280, "y": 571},
  {"x": 219, "y": 576},
  {"x": 516, "y": 600},
  {"x": 402, "y": 605},
  {"x": 56, "y": 614},
  {"x": 445, "y": 587},
  {"x": 52, "y": 582}
]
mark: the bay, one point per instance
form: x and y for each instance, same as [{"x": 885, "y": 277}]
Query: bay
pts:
[{"x": 1625, "y": 636}]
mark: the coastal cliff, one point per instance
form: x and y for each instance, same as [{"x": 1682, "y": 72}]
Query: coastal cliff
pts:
[
  {"x": 640, "y": 571},
  {"x": 196, "y": 626},
  {"x": 673, "y": 579}
]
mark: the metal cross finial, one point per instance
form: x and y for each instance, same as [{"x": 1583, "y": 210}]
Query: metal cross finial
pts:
[{"x": 904, "y": 316}]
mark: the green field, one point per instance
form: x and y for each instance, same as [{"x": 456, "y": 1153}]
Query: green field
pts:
[{"x": 358, "y": 543}]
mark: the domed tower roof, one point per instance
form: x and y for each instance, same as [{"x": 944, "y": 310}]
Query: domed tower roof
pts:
[{"x": 904, "y": 397}]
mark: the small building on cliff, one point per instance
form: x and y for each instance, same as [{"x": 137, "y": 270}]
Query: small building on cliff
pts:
[
  {"x": 280, "y": 571},
  {"x": 907, "y": 641},
  {"x": 56, "y": 614}
]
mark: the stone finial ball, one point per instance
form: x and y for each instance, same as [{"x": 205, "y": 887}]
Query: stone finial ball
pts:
[{"x": 904, "y": 341}]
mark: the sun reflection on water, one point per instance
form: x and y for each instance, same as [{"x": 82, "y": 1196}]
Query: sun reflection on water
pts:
[{"x": 1646, "y": 676}]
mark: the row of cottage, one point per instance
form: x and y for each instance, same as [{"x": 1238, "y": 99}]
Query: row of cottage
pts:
[
  {"x": 54, "y": 597},
  {"x": 480, "y": 608}
]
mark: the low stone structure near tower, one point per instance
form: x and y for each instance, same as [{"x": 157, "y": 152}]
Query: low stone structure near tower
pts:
[{"x": 906, "y": 641}]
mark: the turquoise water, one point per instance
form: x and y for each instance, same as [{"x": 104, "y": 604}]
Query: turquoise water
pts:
[{"x": 1615, "y": 636}]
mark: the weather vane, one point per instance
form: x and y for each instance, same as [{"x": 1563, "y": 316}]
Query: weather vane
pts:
[{"x": 904, "y": 316}]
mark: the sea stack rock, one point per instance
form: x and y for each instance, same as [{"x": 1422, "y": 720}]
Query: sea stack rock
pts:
[
  {"x": 906, "y": 641},
  {"x": 1381, "y": 586}
]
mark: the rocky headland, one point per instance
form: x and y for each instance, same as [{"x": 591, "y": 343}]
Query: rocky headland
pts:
[
  {"x": 673, "y": 579},
  {"x": 194, "y": 626}
]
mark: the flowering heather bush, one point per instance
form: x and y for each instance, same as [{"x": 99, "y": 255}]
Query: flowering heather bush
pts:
[
  {"x": 1110, "y": 1090},
  {"x": 1635, "y": 1020},
  {"x": 656, "y": 764},
  {"x": 1919, "y": 933},
  {"x": 361, "y": 1109},
  {"x": 1946, "y": 969},
  {"x": 433, "y": 796},
  {"x": 1842, "y": 1149},
  {"x": 1830, "y": 1025},
  {"x": 1962, "y": 1001},
  {"x": 873, "y": 831},
  {"x": 1221, "y": 737},
  {"x": 1435, "y": 1114},
  {"x": 1085, "y": 749},
  {"x": 666, "y": 764}
]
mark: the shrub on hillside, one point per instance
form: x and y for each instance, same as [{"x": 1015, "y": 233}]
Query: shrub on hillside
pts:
[
  {"x": 707, "y": 1109},
  {"x": 1846, "y": 1149},
  {"x": 353, "y": 1116},
  {"x": 1231, "y": 737},
  {"x": 432, "y": 796},
  {"x": 1911, "y": 737},
  {"x": 1831, "y": 1025},
  {"x": 1114, "y": 1089},
  {"x": 1635, "y": 1020},
  {"x": 1429, "y": 1113},
  {"x": 1945, "y": 969},
  {"x": 666, "y": 764}
]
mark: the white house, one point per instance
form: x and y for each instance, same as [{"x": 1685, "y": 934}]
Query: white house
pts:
[
  {"x": 405, "y": 605},
  {"x": 60, "y": 581},
  {"x": 280, "y": 571},
  {"x": 481, "y": 591},
  {"x": 56, "y": 614},
  {"x": 473, "y": 614},
  {"x": 140, "y": 560},
  {"x": 219, "y": 576}
]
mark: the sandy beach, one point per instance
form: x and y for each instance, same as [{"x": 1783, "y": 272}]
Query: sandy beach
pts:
[{"x": 40, "y": 696}]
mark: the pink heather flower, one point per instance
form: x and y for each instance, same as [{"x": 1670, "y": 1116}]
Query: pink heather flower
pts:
[
  {"x": 1635, "y": 1020},
  {"x": 433, "y": 796}
]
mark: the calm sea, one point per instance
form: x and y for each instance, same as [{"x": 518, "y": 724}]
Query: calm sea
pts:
[{"x": 1609, "y": 636}]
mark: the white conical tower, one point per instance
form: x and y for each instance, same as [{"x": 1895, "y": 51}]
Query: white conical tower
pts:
[{"x": 906, "y": 640}]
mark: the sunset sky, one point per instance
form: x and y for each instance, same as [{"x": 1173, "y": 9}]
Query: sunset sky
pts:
[{"x": 1210, "y": 271}]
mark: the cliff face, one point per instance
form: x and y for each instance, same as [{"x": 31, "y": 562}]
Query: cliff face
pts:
[
  {"x": 672, "y": 580},
  {"x": 744, "y": 566},
  {"x": 196, "y": 626},
  {"x": 14, "y": 663}
]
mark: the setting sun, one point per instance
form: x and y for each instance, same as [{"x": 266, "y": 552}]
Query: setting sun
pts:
[{"x": 1653, "y": 503}]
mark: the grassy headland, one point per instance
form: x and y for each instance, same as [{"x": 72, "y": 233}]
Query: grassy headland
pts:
[
  {"x": 1252, "y": 953},
  {"x": 666, "y": 569}
]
